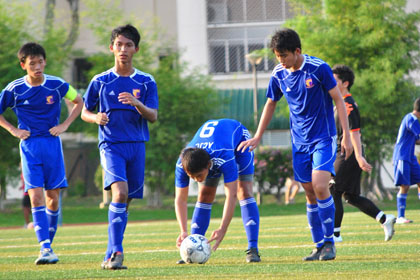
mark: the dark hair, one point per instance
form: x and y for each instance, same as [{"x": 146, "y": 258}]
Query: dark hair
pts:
[
  {"x": 30, "y": 49},
  {"x": 127, "y": 31},
  {"x": 194, "y": 159},
  {"x": 285, "y": 39},
  {"x": 344, "y": 73},
  {"x": 416, "y": 105}
]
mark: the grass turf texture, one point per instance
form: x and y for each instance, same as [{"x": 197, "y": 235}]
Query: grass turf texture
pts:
[{"x": 150, "y": 251}]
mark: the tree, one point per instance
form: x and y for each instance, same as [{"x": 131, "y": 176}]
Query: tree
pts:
[
  {"x": 185, "y": 98},
  {"x": 380, "y": 42}
]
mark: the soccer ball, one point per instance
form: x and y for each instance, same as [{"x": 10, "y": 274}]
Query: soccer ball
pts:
[{"x": 195, "y": 249}]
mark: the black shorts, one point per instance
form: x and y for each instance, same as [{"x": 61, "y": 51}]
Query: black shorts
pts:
[
  {"x": 26, "y": 201},
  {"x": 348, "y": 173}
]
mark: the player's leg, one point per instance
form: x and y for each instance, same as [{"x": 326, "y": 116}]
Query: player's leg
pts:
[
  {"x": 32, "y": 151},
  {"x": 295, "y": 190},
  {"x": 113, "y": 161},
  {"x": 302, "y": 169},
  {"x": 250, "y": 216},
  {"x": 55, "y": 179},
  {"x": 339, "y": 212},
  {"x": 289, "y": 186},
  {"x": 323, "y": 158},
  {"x": 402, "y": 175},
  {"x": 202, "y": 212}
]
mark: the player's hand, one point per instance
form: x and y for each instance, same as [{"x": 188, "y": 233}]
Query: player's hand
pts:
[
  {"x": 21, "y": 133},
  {"x": 346, "y": 146},
  {"x": 217, "y": 236},
  {"x": 251, "y": 144},
  {"x": 127, "y": 98},
  {"x": 180, "y": 238},
  {"x": 57, "y": 130},
  {"x": 364, "y": 165},
  {"x": 101, "y": 119}
]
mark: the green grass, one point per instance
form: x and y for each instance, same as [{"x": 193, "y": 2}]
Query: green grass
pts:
[{"x": 150, "y": 251}]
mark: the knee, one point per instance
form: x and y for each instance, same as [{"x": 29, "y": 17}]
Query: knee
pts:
[
  {"x": 349, "y": 198},
  {"x": 244, "y": 191}
]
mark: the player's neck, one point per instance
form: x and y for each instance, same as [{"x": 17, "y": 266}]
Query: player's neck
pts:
[
  {"x": 35, "y": 81},
  {"x": 298, "y": 64},
  {"x": 344, "y": 92},
  {"x": 124, "y": 69},
  {"x": 417, "y": 114}
]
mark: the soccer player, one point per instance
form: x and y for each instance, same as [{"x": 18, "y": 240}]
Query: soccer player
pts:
[
  {"x": 121, "y": 101},
  {"x": 406, "y": 166},
  {"x": 210, "y": 154},
  {"x": 36, "y": 101},
  {"x": 348, "y": 171},
  {"x": 309, "y": 87}
]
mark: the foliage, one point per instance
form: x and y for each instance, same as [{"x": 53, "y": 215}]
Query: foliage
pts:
[
  {"x": 380, "y": 41},
  {"x": 185, "y": 99},
  {"x": 272, "y": 167}
]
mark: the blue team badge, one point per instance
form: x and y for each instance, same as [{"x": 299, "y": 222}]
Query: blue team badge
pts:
[
  {"x": 309, "y": 83},
  {"x": 136, "y": 93},
  {"x": 50, "y": 99}
]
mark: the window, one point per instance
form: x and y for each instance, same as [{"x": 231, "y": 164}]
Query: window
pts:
[{"x": 237, "y": 27}]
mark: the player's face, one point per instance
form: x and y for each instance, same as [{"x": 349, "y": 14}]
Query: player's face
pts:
[
  {"x": 123, "y": 49},
  {"x": 288, "y": 59},
  {"x": 199, "y": 176},
  {"x": 34, "y": 66}
]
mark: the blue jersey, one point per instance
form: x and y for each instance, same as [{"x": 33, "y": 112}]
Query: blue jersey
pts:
[
  {"x": 407, "y": 135},
  {"x": 125, "y": 124},
  {"x": 306, "y": 92},
  {"x": 220, "y": 139},
  {"x": 37, "y": 108}
]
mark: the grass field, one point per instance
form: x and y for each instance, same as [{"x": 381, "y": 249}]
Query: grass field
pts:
[{"x": 150, "y": 252}]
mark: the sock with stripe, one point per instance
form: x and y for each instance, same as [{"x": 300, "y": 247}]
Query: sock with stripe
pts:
[
  {"x": 326, "y": 214},
  {"x": 116, "y": 217},
  {"x": 41, "y": 226},
  {"x": 401, "y": 204},
  {"x": 201, "y": 218},
  {"x": 315, "y": 224},
  {"x": 251, "y": 220},
  {"x": 52, "y": 222}
]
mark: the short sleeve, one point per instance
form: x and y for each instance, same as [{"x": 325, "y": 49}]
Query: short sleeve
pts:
[
  {"x": 152, "y": 100},
  {"x": 6, "y": 100},
  {"x": 274, "y": 91},
  {"x": 325, "y": 75},
  {"x": 353, "y": 117},
  {"x": 91, "y": 97},
  {"x": 182, "y": 180}
]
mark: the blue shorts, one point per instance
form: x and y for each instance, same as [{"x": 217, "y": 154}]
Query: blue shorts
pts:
[
  {"x": 124, "y": 162},
  {"x": 406, "y": 173},
  {"x": 318, "y": 156},
  {"x": 43, "y": 163}
]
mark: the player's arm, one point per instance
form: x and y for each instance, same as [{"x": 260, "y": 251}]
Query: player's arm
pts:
[
  {"x": 16, "y": 132},
  {"x": 342, "y": 115},
  {"x": 231, "y": 189},
  {"x": 358, "y": 152},
  {"x": 267, "y": 115},
  {"x": 181, "y": 198},
  {"x": 149, "y": 114},
  {"x": 77, "y": 101}
]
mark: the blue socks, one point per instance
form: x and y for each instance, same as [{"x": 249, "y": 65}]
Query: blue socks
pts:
[
  {"x": 401, "y": 204},
  {"x": 52, "y": 217},
  {"x": 117, "y": 219},
  {"x": 315, "y": 224},
  {"x": 109, "y": 252},
  {"x": 41, "y": 227},
  {"x": 326, "y": 214},
  {"x": 251, "y": 220},
  {"x": 201, "y": 218}
]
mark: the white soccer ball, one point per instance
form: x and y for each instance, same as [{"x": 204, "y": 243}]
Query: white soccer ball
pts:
[{"x": 195, "y": 249}]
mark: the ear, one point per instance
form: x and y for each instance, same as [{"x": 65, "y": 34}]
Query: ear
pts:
[
  {"x": 23, "y": 65},
  {"x": 209, "y": 165},
  {"x": 346, "y": 84},
  {"x": 111, "y": 48},
  {"x": 298, "y": 51},
  {"x": 137, "y": 49}
]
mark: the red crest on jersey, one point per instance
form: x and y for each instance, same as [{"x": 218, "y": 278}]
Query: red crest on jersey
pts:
[
  {"x": 136, "y": 93},
  {"x": 50, "y": 99},
  {"x": 309, "y": 83}
]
